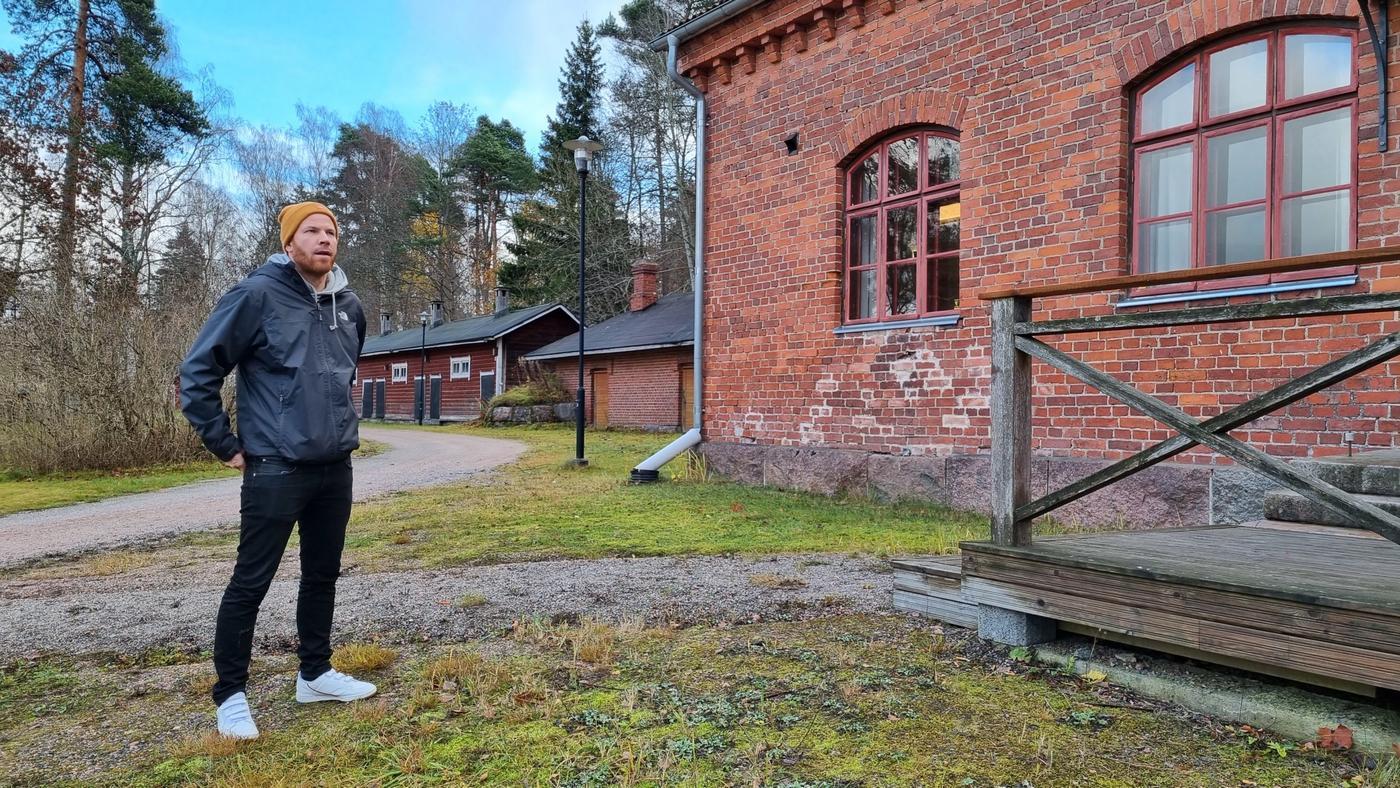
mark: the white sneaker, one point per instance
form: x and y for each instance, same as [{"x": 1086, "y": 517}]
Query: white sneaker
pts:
[
  {"x": 332, "y": 685},
  {"x": 235, "y": 719}
]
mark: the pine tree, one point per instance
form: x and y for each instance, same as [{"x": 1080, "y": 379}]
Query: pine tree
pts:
[
  {"x": 182, "y": 277},
  {"x": 545, "y": 268}
]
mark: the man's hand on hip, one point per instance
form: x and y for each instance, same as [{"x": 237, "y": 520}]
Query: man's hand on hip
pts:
[{"x": 236, "y": 462}]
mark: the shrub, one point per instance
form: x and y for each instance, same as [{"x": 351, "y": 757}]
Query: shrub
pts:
[{"x": 541, "y": 387}]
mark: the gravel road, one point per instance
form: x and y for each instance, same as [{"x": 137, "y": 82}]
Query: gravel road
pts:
[
  {"x": 415, "y": 459},
  {"x": 155, "y": 606}
]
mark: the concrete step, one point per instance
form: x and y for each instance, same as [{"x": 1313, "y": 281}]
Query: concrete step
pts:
[
  {"x": 1370, "y": 473},
  {"x": 1291, "y": 507}
]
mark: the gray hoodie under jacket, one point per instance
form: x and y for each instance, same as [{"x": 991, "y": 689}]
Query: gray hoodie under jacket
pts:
[{"x": 295, "y": 351}]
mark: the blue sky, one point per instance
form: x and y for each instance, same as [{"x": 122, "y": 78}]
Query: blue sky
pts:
[{"x": 503, "y": 57}]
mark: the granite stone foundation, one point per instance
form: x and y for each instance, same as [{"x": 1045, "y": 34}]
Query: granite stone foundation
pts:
[{"x": 1163, "y": 496}]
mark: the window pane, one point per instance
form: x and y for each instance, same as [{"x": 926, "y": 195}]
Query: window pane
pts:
[
  {"x": 1238, "y": 167},
  {"x": 901, "y": 232},
  {"x": 904, "y": 166},
  {"x": 1317, "y": 223},
  {"x": 1239, "y": 78},
  {"x": 1317, "y": 151},
  {"x": 863, "y": 241},
  {"x": 943, "y": 284},
  {"x": 901, "y": 289},
  {"x": 1164, "y": 181},
  {"x": 862, "y": 294},
  {"x": 943, "y": 165},
  {"x": 865, "y": 180},
  {"x": 1170, "y": 103},
  {"x": 1235, "y": 236},
  {"x": 1164, "y": 246},
  {"x": 944, "y": 220},
  {"x": 1315, "y": 63}
]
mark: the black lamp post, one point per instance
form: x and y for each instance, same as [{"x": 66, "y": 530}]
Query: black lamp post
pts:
[
  {"x": 423, "y": 367},
  {"x": 583, "y": 149}
]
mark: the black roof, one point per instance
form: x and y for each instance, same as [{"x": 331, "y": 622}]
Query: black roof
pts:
[
  {"x": 670, "y": 322},
  {"x": 460, "y": 332}
]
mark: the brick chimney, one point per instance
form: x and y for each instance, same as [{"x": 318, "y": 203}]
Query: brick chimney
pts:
[
  {"x": 385, "y": 326},
  {"x": 502, "y": 301},
  {"x": 643, "y": 284},
  {"x": 436, "y": 315}
]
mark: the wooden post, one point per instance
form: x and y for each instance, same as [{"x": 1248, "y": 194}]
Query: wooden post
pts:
[{"x": 1011, "y": 423}]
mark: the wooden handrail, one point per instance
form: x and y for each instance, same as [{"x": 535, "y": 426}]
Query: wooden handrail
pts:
[{"x": 1381, "y": 254}]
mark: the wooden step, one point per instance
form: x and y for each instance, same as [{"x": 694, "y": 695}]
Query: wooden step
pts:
[{"x": 932, "y": 586}]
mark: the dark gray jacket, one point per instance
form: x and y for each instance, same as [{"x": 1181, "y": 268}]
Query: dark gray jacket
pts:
[{"x": 295, "y": 352}]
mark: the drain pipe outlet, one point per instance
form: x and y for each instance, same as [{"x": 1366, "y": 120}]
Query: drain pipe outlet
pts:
[{"x": 650, "y": 469}]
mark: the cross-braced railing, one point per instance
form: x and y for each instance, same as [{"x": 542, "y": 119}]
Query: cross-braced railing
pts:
[{"x": 1015, "y": 344}]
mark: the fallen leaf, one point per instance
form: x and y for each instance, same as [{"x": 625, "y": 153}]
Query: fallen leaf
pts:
[
  {"x": 1338, "y": 738},
  {"x": 736, "y": 507},
  {"x": 1396, "y": 748},
  {"x": 1095, "y": 676}
]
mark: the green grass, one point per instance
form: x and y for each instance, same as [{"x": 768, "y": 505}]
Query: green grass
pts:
[
  {"x": 542, "y": 508},
  {"x": 861, "y": 700},
  {"x": 21, "y": 492}
]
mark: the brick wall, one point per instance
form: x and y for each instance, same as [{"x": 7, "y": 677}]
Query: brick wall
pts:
[
  {"x": 644, "y": 388},
  {"x": 1039, "y": 94}
]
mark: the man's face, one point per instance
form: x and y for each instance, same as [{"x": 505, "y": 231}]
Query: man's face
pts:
[{"x": 313, "y": 245}]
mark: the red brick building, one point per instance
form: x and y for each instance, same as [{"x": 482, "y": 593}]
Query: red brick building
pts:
[
  {"x": 874, "y": 164},
  {"x": 468, "y": 362},
  {"x": 638, "y": 366}
]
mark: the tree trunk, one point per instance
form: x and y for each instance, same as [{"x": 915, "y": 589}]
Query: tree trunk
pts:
[{"x": 64, "y": 268}]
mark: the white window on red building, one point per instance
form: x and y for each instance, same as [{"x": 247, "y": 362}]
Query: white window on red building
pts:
[
  {"x": 461, "y": 368},
  {"x": 1247, "y": 151},
  {"x": 399, "y": 373},
  {"x": 903, "y": 219}
]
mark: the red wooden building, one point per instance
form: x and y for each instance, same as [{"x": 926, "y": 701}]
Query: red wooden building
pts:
[
  {"x": 467, "y": 361},
  {"x": 638, "y": 368},
  {"x": 874, "y": 164}
]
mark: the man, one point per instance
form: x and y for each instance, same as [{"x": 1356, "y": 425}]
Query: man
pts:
[{"x": 294, "y": 332}]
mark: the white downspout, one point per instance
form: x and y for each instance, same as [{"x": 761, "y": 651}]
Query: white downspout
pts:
[{"x": 649, "y": 469}]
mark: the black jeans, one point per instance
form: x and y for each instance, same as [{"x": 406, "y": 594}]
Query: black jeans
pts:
[{"x": 275, "y": 495}]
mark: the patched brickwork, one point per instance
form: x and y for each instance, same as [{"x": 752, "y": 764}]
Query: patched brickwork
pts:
[{"x": 1039, "y": 94}]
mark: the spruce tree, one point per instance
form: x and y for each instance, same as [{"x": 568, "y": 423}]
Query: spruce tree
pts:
[{"x": 545, "y": 268}]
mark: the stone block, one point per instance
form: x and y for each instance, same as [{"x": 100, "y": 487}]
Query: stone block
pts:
[
  {"x": 1237, "y": 496},
  {"x": 967, "y": 479},
  {"x": 1163, "y": 496},
  {"x": 541, "y": 413},
  {"x": 501, "y": 414},
  {"x": 818, "y": 470},
  {"x": 739, "y": 462},
  {"x": 896, "y": 478},
  {"x": 1013, "y": 628},
  {"x": 565, "y": 411}
]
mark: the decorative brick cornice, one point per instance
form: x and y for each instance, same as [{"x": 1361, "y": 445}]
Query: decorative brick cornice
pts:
[
  {"x": 1190, "y": 25},
  {"x": 817, "y": 21},
  {"x": 895, "y": 112}
]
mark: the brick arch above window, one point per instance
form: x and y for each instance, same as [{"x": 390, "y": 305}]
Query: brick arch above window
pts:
[
  {"x": 1190, "y": 26},
  {"x": 880, "y": 120}
]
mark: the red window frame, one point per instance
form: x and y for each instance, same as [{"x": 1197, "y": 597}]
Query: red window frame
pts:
[
  {"x": 1271, "y": 115},
  {"x": 920, "y": 198}
]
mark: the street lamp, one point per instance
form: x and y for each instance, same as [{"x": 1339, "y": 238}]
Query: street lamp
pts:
[
  {"x": 583, "y": 149},
  {"x": 423, "y": 367}
]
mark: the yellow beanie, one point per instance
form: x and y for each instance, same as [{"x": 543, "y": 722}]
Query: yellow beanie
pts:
[{"x": 293, "y": 215}]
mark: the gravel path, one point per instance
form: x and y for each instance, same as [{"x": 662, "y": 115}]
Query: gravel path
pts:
[
  {"x": 415, "y": 459},
  {"x": 152, "y": 607}
]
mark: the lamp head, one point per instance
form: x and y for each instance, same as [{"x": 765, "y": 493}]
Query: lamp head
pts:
[
  {"x": 423, "y": 317},
  {"x": 583, "y": 149}
]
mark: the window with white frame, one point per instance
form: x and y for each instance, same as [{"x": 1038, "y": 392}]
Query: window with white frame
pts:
[
  {"x": 400, "y": 373},
  {"x": 461, "y": 368}
]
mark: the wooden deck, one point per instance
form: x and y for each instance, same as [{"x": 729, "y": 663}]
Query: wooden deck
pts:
[{"x": 1318, "y": 606}]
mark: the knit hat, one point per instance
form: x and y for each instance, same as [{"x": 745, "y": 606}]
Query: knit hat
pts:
[{"x": 293, "y": 215}]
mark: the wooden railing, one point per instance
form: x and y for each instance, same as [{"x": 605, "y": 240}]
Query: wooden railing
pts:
[{"x": 1014, "y": 345}]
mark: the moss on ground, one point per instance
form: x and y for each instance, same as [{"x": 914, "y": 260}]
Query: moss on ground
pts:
[{"x": 859, "y": 700}]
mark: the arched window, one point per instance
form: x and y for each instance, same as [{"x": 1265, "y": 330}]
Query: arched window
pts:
[
  {"x": 902, "y": 229},
  {"x": 1247, "y": 151}
]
